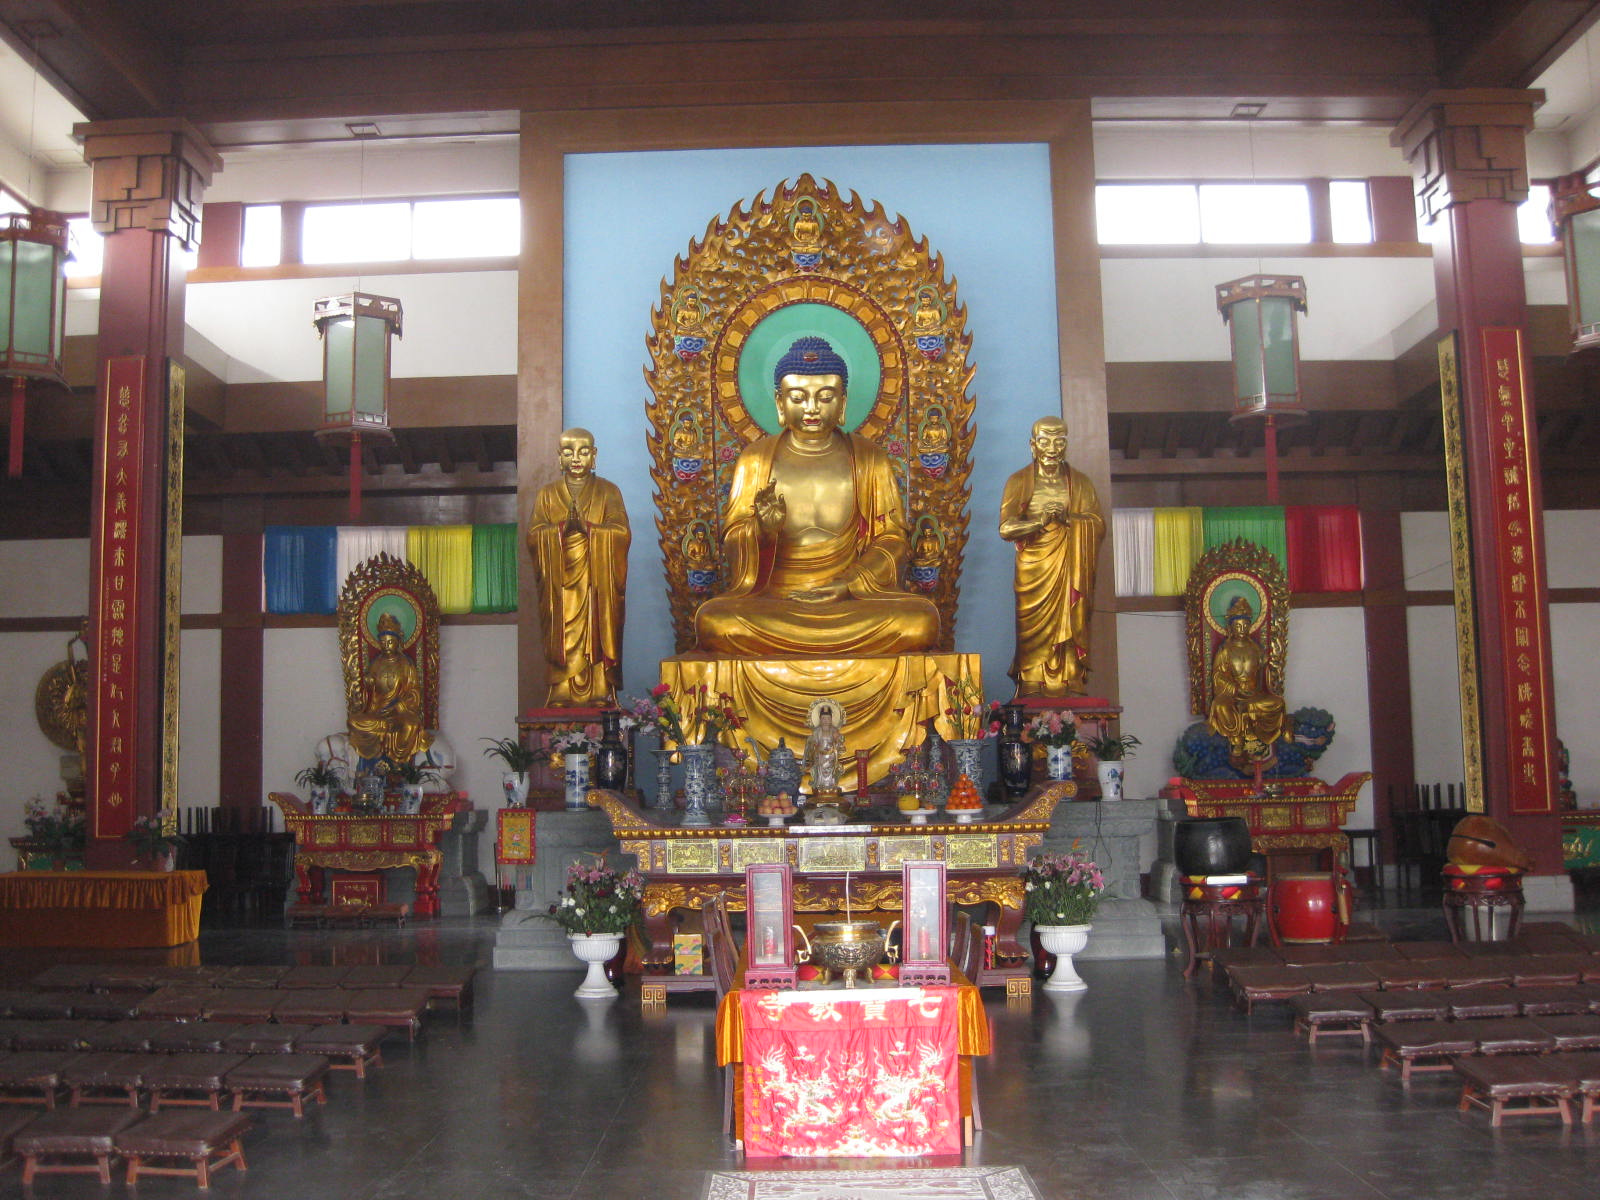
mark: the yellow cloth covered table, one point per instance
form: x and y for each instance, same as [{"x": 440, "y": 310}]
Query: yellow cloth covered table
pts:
[{"x": 103, "y": 909}]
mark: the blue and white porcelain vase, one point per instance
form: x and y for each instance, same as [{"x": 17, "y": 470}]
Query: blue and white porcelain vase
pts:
[
  {"x": 663, "y": 798},
  {"x": 969, "y": 759},
  {"x": 699, "y": 782},
  {"x": 1058, "y": 761},
  {"x": 575, "y": 779}
]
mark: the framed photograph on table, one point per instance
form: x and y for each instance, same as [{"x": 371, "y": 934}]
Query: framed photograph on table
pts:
[
  {"x": 924, "y": 934},
  {"x": 769, "y": 926}
]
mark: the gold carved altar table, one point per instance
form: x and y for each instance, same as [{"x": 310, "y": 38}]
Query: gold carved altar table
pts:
[
  {"x": 1286, "y": 815},
  {"x": 684, "y": 867}
]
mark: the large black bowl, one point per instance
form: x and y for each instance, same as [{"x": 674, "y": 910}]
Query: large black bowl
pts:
[{"x": 1211, "y": 845}]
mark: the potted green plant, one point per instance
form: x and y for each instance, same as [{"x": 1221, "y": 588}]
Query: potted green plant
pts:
[
  {"x": 518, "y": 760},
  {"x": 412, "y": 776},
  {"x": 155, "y": 840},
  {"x": 322, "y": 781},
  {"x": 1060, "y": 894},
  {"x": 1110, "y": 750}
]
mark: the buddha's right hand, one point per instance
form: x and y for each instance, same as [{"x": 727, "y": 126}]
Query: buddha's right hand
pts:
[{"x": 770, "y": 508}]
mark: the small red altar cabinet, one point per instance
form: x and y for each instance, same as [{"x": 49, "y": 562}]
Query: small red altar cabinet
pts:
[
  {"x": 1284, "y": 814},
  {"x": 363, "y": 842}
]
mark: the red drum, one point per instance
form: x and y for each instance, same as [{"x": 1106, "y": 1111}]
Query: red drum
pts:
[{"x": 1309, "y": 908}]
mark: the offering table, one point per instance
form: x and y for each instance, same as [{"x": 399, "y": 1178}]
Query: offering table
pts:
[
  {"x": 103, "y": 909},
  {"x": 683, "y": 867},
  {"x": 792, "y": 1095},
  {"x": 370, "y": 842},
  {"x": 1286, "y": 816}
]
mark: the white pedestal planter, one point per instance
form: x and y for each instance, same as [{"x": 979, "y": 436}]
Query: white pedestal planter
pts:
[
  {"x": 596, "y": 949},
  {"x": 1064, "y": 941}
]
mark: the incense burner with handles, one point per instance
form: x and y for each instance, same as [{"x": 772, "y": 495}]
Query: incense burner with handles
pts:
[{"x": 847, "y": 947}]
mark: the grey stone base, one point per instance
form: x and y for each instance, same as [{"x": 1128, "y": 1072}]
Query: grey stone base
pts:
[
  {"x": 464, "y": 895},
  {"x": 1125, "y": 929},
  {"x": 525, "y": 942}
]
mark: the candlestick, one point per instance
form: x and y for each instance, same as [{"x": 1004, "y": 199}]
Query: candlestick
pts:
[{"x": 847, "y": 896}]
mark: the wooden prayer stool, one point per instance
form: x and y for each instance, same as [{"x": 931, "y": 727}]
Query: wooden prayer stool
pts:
[
  {"x": 105, "y": 1079},
  {"x": 1543, "y": 1083},
  {"x": 279, "y": 1081},
  {"x": 444, "y": 983},
  {"x": 32, "y": 1077},
  {"x": 1416, "y": 1046},
  {"x": 384, "y": 914},
  {"x": 174, "y": 1079},
  {"x": 203, "y": 1140},
  {"x": 346, "y": 1047},
  {"x": 73, "y": 1135},
  {"x": 1208, "y": 913},
  {"x": 305, "y": 916},
  {"x": 267, "y": 1038},
  {"x": 11, "y": 1124},
  {"x": 192, "y": 1037},
  {"x": 1324, "y": 1014},
  {"x": 1254, "y": 984}
]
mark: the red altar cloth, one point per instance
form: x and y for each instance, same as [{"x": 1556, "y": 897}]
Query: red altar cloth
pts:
[{"x": 840, "y": 1074}]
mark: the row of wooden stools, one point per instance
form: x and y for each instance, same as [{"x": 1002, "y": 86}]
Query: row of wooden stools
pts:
[{"x": 188, "y": 1037}]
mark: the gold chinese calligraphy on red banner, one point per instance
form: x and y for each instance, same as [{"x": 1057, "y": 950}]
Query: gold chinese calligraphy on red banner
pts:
[
  {"x": 1519, "y": 569},
  {"x": 113, "y": 713}
]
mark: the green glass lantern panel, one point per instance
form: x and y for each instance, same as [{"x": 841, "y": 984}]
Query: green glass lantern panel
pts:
[
  {"x": 371, "y": 365},
  {"x": 33, "y": 273},
  {"x": 338, "y": 371},
  {"x": 1277, "y": 346},
  {"x": 1583, "y": 239},
  {"x": 1244, "y": 328}
]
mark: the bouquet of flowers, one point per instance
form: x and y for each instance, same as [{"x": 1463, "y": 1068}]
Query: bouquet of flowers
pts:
[
  {"x": 151, "y": 836},
  {"x": 967, "y": 716},
  {"x": 710, "y": 719},
  {"x": 1054, "y": 728},
  {"x": 1062, "y": 889},
  {"x": 598, "y": 899},
  {"x": 575, "y": 741},
  {"x": 60, "y": 828}
]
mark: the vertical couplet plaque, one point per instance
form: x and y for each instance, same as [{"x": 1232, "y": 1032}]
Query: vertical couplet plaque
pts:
[
  {"x": 924, "y": 933},
  {"x": 769, "y": 926},
  {"x": 1519, "y": 569},
  {"x": 113, "y": 731}
]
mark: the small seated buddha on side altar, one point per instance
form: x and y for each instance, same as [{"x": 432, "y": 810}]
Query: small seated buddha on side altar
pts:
[
  {"x": 815, "y": 538},
  {"x": 1244, "y": 709},
  {"x": 387, "y": 724}
]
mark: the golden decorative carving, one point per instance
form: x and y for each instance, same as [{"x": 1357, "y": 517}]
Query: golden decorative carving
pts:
[
  {"x": 892, "y": 851},
  {"x": 1043, "y": 804},
  {"x": 1233, "y": 569},
  {"x": 691, "y": 858},
  {"x": 61, "y": 699},
  {"x": 980, "y": 850},
  {"x": 805, "y": 245},
  {"x": 357, "y": 860},
  {"x": 748, "y": 852},
  {"x": 833, "y": 854},
  {"x": 622, "y": 816},
  {"x": 1455, "y": 477},
  {"x": 373, "y": 593},
  {"x": 1019, "y": 985}
]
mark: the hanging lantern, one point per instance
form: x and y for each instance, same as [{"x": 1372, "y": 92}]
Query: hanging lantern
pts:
[
  {"x": 1575, "y": 212},
  {"x": 355, "y": 331},
  {"x": 1259, "y": 311},
  {"x": 33, "y": 298}
]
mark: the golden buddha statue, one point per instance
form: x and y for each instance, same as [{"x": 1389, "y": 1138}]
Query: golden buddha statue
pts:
[
  {"x": 1244, "y": 709},
  {"x": 824, "y": 747},
  {"x": 387, "y": 723},
  {"x": 815, "y": 537},
  {"x": 1050, "y": 511},
  {"x": 578, "y": 536}
]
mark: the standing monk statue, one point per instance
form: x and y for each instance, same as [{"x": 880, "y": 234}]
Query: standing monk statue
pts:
[
  {"x": 1050, "y": 511},
  {"x": 578, "y": 537},
  {"x": 815, "y": 535}
]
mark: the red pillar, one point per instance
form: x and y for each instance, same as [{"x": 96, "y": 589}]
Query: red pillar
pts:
[
  {"x": 1468, "y": 155},
  {"x": 148, "y": 180}
]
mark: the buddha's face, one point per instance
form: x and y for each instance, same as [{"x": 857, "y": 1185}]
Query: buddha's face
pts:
[
  {"x": 577, "y": 456},
  {"x": 389, "y": 642},
  {"x": 1238, "y": 626},
  {"x": 811, "y": 405},
  {"x": 1049, "y": 443}
]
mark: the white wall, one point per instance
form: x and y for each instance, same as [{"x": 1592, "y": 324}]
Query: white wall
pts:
[
  {"x": 1240, "y": 150},
  {"x": 32, "y": 763},
  {"x": 200, "y": 744},
  {"x": 48, "y": 577},
  {"x": 1435, "y": 694},
  {"x": 1153, "y": 671}
]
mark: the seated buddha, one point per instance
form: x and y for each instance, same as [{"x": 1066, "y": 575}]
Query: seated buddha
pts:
[
  {"x": 386, "y": 725},
  {"x": 1244, "y": 709},
  {"x": 815, "y": 535}
]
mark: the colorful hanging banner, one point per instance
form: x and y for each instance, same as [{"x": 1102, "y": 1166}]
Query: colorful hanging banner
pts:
[
  {"x": 1519, "y": 570},
  {"x": 117, "y": 669},
  {"x": 514, "y": 844}
]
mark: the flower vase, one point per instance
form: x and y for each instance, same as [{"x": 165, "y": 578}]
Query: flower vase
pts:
[
  {"x": 410, "y": 798},
  {"x": 1015, "y": 756},
  {"x": 969, "y": 761},
  {"x": 575, "y": 780},
  {"x": 321, "y": 801},
  {"x": 596, "y": 949},
  {"x": 1064, "y": 941},
  {"x": 611, "y": 757},
  {"x": 1058, "y": 762},
  {"x": 663, "y": 797},
  {"x": 699, "y": 778},
  {"x": 515, "y": 784},
  {"x": 1110, "y": 774}
]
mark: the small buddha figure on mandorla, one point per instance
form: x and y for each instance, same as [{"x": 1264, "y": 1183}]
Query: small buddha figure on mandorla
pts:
[
  {"x": 815, "y": 535},
  {"x": 387, "y": 723},
  {"x": 1244, "y": 709}
]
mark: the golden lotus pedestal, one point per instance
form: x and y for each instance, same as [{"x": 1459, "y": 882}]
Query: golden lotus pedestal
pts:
[{"x": 886, "y": 698}]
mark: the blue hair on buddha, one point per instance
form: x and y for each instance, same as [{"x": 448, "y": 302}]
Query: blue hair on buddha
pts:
[{"x": 811, "y": 356}]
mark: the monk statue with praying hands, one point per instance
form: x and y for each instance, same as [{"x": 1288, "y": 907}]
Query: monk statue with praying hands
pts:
[
  {"x": 1050, "y": 512},
  {"x": 815, "y": 537},
  {"x": 578, "y": 536}
]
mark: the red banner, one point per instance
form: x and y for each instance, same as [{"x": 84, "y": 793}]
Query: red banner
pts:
[
  {"x": 1519, "y": 570},
  {"x": 117, "y": 670},
  {"x": 835, "y": 1075}
]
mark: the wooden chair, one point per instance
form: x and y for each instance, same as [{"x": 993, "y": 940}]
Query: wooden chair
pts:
[{"x": 724, "y": 956}]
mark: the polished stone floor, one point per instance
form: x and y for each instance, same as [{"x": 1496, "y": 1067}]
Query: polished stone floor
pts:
[{"x": 1146, "y": 1086}]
